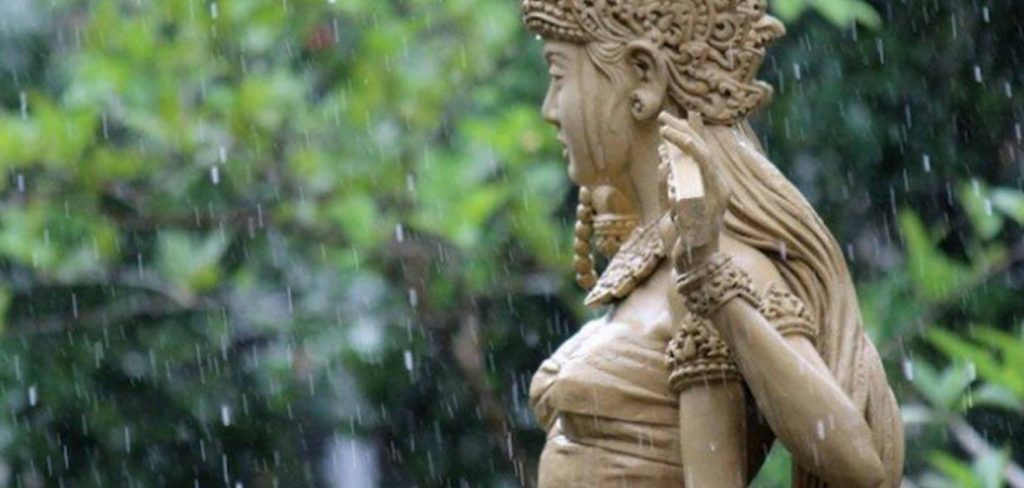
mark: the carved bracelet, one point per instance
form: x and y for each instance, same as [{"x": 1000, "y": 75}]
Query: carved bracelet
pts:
[{"x": 713, "y": 284}]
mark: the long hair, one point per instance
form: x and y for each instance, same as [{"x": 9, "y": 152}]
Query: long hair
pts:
[{"x": 770, "y": 214}]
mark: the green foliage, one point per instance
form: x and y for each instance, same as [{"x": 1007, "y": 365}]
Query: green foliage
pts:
[
  {"x": 839, "y": 12},
  {"x": 997, "y": 357},
  {"x": 982, "y": 371},
  {"x": 235, "y": 234},
  {"x": 986, "y": 472},
  {"x": 934, "y": 275}
]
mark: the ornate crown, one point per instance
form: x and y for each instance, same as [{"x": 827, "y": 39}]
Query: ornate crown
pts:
[{"x": 715, "y": 46}]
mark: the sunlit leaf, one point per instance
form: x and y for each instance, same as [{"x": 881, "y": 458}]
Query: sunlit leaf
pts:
[{"x": 979, "y": 207}]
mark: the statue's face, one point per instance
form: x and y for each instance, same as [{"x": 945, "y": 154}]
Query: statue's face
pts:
[{"x": 591, "y": 113}]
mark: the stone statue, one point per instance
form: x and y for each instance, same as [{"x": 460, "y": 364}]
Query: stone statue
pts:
[{"x": 732, "y": 318}]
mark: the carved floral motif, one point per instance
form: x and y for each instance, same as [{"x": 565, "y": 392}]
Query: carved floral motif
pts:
[
  {"x": 634, "y": 262},
  {"x": 787, "y": 312},
  {"x": 697, "y": 355}
]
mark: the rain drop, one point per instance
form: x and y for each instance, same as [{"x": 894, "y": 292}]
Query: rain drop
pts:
[
  {"x": 33, "y": 396},
  {"x": 926, "y": 162},
  {"x": 908, "y": 369},
  {"x": 408, "y": 360},
  {"x": 23, "y": 101},
  {"x": 225, "y": 415},
  {"x": 215, "y": 175}
]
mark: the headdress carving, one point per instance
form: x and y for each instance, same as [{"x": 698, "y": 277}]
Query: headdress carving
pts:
[{"x": 715, "y": 47}]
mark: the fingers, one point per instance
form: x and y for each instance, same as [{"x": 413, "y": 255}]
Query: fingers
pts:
[
  {"x": 688, "y": 141},
  {"x": 683, "y": 135}
]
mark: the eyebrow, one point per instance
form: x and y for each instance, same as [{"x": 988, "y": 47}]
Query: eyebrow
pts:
[{"x": 552, "y": 56}]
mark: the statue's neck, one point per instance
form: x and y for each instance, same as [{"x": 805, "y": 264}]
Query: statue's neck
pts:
[
  {"x": 643, "y": 173},
  {"x": 637, "y": 188}
]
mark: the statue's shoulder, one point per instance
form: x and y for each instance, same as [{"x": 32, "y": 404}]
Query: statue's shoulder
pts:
[
  {"x": 779, "y": 304},
  {"x": 762, "y": 269}
]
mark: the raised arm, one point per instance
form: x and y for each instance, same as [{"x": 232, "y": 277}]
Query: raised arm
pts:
[{"x": 792, "y": 386}]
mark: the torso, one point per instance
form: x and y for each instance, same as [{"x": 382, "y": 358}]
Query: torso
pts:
[
  {"x": 612, "y": 420},
  {"x": 605, "y": 400}
]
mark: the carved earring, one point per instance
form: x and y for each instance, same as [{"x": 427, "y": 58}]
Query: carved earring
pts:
[
  {"x": 636, "y": 105},
  {"x": 583, "y": 257}
]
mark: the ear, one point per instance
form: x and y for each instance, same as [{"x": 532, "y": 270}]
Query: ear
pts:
[{"x": 650, "y": 79}]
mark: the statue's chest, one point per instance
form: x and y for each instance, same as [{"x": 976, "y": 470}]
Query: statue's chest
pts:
[{"x": 610, "y": 368}]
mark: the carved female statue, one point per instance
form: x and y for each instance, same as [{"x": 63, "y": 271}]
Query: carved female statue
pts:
[{"x": 748, "y": 329}]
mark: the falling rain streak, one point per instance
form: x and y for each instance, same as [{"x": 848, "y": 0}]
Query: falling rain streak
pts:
[{"x": 308, "y": 242}]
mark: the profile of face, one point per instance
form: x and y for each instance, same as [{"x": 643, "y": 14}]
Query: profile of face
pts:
[{"x": 599, "y": 111}]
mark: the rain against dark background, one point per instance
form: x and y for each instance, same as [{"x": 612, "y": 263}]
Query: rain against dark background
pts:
[{"x": 326, "y": 242}]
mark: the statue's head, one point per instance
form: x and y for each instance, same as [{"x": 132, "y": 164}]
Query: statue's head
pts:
[{"x": 617, "y": 64}]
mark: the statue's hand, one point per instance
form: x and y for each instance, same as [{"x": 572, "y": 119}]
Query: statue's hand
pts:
[{"x": 696, "y": 192}]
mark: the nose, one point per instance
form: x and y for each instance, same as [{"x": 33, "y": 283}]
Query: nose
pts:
[{"x": 549, "y": 111}]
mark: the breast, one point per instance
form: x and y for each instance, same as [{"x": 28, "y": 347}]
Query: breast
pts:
[
  {"x": 605, "y": 401},
  {"x": 612, "y": 368}
]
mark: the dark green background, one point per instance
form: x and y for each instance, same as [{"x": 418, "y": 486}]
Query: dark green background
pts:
[{"x": 242, "y": 240}]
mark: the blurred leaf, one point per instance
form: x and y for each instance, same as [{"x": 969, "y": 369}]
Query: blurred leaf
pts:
[
  {"x": 1010, "y": 347},
  {"x": 960, "y": 473},
  {"x": 845, "y": 12},
  {"x": 917, "y": 414},
  {"x": 975, "y": 199},
  {"x": 64, "y": 242},
  {"x": 986, "y": 362},
  {"x": 5, "y": 306},
  {"x": 841, "y": 13},
  {"x": 991, "y": 467},
  {"x": 777, "y": 469},
  {"x": 943, "y": 390},
  {"x": 789, "y": 10},
  {"x": 935, "y": 276},
  {"x": 994, "y": 395},
  {"x": 1010, "y": 203},
  {"x": 190, "y": 262}
]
